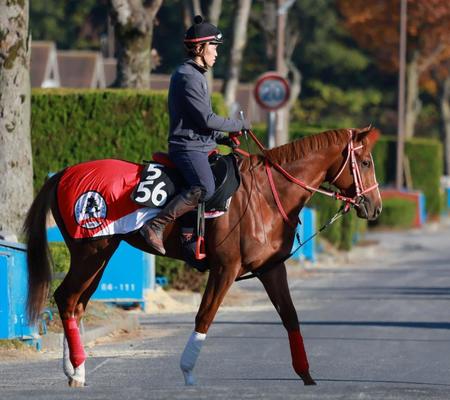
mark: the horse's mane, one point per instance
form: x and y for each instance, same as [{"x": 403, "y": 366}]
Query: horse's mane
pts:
[{"x": 301, "y": 147}]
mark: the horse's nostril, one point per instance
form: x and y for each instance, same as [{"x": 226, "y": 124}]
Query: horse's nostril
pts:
[{"x": 377, "y": 212}]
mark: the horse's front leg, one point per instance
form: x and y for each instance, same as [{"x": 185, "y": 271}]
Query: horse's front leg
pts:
[
  {"x": 219, "y": 281},
  {"x": 275, "y": 283}
]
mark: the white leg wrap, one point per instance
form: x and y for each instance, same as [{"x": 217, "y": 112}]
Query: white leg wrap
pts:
[
  {"x": 79, "y": 376},
  {"x": 67, "y": 365},
  {"x": 190, "y": 355}
]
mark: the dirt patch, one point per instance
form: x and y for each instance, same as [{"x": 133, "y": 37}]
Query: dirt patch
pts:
[
  {"x": 10, "y": 349},
  {"x": 160, "y": 301}
]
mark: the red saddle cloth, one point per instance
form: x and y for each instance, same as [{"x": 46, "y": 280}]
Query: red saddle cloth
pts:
[{"x": 94, "y": 199}]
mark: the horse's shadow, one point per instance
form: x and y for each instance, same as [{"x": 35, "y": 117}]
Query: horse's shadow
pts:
[{"x": 341, "y": 380}]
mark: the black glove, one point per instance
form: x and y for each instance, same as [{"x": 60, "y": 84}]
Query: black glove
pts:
[
  {"x": 225, "y": 140},
  {"x": 246, "y": 125}
]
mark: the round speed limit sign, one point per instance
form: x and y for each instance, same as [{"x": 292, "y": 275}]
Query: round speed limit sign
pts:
[{"x": 271, "y": 91}]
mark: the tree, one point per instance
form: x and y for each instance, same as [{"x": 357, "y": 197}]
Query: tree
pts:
[
  {"x": 133, "y": 22},
  {"x": 374, "y": 26},
  {"x": 239, "y": 40},
  {"x": 71, "y": 24},
  {"x": 16, "y": 170}
]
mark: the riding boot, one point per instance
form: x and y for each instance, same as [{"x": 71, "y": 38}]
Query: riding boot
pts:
[{"x": 153, "y": 230}]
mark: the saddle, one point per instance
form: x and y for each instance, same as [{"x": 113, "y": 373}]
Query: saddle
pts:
[{"x": 160, "y": 181}]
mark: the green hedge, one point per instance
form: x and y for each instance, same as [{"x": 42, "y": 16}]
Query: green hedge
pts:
[
  {"x": 61, "y": 265},
  {"x": 397, "y": 213},
  {"x": 426, "y": 163}
]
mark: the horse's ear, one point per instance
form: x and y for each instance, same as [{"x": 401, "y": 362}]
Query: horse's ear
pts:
[{"x": 360, "y": 134}]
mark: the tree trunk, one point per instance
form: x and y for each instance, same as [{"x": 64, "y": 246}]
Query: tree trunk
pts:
[
  {"x": 444, "y": 101},
  {"x": 413, "y": 105},
  {"x": 16, "y": 169},
  {"x": 214, "y": 12},
  {"x": 239, "y": 40},
  {"x": 133, "y": 26}
]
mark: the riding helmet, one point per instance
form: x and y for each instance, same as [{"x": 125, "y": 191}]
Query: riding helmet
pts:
[{"x": 202, "y": 32}]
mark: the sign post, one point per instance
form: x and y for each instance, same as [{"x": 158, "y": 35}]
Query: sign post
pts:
[{"x": 271, "y": 93}]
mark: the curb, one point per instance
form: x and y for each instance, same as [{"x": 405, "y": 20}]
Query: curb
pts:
[{"x": 54, "y": 341}]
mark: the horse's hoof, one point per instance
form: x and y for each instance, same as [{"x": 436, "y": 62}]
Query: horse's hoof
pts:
[
  {"x": 307, "y": 379},
  {"x": 76, "y": 384}
]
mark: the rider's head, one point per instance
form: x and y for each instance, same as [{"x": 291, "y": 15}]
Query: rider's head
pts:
[{"x": 201, "y": 41}]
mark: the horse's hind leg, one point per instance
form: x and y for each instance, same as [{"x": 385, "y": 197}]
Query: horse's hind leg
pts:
[
  {"x": 216, "y": 289},
  {"x": 275, "y": 283},
  {"x": 88, "y": 260}
]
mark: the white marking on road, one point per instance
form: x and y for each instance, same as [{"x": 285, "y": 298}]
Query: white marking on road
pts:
[{"x": 99, "y": 366}]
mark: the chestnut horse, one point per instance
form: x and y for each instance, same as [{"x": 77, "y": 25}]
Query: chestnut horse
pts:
[{"x": 255, "y": 234}]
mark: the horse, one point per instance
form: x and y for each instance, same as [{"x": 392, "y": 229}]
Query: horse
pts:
[{"x": 254, "y": 236}]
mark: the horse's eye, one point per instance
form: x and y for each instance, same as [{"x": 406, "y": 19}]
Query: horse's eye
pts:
[{"x": 365, "y": 163}]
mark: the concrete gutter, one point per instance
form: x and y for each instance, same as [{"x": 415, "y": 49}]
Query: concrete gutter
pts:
[{"x": 54, "y": 341}]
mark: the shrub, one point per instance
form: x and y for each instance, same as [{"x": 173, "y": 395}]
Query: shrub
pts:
[
  {"x": 61, "y": 264},
  {"x": 425, "y": 161},
  {"x": 180, "y": 275},
  {"x": 397, "y": 213}
]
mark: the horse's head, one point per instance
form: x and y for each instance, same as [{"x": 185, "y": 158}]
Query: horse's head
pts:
[{"x": 354, "y": 174}]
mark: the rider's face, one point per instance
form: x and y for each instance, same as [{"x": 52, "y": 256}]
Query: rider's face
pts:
[{"x": 210, "y": 54}]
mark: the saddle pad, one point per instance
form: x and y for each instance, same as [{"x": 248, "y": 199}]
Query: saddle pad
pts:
[{"x": 94, "y": 199}]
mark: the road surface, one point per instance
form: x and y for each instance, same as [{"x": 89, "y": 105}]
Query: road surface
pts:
[{"x": 376, "y": 326}]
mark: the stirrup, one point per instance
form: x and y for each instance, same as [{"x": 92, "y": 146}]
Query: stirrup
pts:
[{"x": 200, "y": 252}]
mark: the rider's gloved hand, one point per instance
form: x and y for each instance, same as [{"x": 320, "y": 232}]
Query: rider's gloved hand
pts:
[{"x": 227, "y": 141}]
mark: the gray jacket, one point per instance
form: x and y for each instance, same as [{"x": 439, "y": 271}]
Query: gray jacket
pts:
[{"x": 193, "y": 124}]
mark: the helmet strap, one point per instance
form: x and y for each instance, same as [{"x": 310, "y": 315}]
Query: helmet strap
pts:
[{"x": 201, "y": 55}]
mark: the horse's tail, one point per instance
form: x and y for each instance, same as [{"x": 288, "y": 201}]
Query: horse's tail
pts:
[{"x": 38, "y": 254}]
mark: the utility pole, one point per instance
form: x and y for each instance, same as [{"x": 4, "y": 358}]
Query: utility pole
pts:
[
  {"x": 401, "y": 98},
  {"x": 281, "y": 135}
]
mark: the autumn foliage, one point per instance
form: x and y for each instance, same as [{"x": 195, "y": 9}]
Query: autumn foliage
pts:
[{"x": 375, "y": 26}]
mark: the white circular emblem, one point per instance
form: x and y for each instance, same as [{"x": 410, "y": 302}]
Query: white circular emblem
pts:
[{"x": 90, "y": 210}]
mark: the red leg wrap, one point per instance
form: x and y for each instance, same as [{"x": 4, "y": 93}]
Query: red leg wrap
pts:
[
  {"x": 76, "y": 349},
  {"x": 299, "y": 359}
]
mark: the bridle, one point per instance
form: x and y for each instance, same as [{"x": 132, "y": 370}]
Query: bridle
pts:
[
  {"x": 357, "y": 178},
  {"x": 356, "y": 172}
]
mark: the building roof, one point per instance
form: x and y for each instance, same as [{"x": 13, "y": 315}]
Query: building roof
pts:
[
  {"x": 44, "y": 69},
  {"x": 81, "y": 69},
  {"x": 110, "y": 68}
]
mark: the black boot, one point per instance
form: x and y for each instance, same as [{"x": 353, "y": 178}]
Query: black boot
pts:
[{"x": 153, "y": 230}]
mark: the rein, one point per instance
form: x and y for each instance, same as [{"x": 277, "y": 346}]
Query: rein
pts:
[{"x": 348, "y": 201}]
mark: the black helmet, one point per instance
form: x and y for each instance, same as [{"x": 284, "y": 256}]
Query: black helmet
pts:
[{"x": 202, "y": 32}]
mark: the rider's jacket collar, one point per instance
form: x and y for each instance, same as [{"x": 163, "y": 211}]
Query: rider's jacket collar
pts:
[{"x": 196, "y": 66}]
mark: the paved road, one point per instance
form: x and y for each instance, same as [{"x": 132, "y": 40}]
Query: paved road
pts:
[{"x": 375, "y": 327}]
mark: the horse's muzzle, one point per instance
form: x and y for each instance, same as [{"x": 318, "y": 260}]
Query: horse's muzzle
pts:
[{"x": 366, "y": 210}]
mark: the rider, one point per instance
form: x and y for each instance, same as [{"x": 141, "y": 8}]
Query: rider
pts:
[{"x": 195, "y": 129}]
